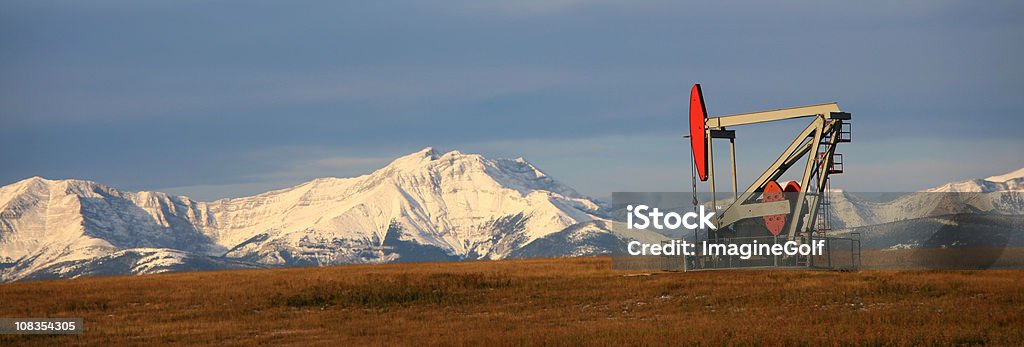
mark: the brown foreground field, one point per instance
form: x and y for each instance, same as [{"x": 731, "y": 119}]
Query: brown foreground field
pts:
[{"x": 527, "y": 302}]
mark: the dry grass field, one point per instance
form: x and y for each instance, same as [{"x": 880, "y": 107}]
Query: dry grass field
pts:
[{"x": 527, "y": 302}]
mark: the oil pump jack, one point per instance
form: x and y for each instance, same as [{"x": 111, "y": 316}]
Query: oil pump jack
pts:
[{"x": 796, "y": 208}]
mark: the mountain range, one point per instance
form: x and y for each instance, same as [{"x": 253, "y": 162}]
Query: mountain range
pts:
[
  {"x": 986, "y": 213},
  {"x": 425, "y": 206},
  {"x": 1002, "y": 194}
]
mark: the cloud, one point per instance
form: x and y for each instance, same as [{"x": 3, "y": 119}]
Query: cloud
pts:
[
  {"x": 110, "y": 93},
  {"x": 203, "y": 93},
  {"x": 527, "y": 8},
  {"x": 416, "y": 84}
]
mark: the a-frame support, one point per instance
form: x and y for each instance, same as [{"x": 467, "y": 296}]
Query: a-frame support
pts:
[{"x": 824, "y": 129}]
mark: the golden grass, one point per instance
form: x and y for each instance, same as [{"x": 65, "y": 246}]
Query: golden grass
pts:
[{"x": 528, "y": 302}]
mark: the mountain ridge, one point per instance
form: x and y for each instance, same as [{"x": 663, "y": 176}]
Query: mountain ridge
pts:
[
  {"x": 422, "y": 206},
  {"x": 439, "y": 204},
  {"x": 1011, "y": 181}
]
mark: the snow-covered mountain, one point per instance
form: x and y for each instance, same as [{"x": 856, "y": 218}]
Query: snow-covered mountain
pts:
[
  {"x": 997, "y": 194},
  {"x": 139, "y": 261},
  {"x": 423, "y": 206},
  {"x": 982, "y": 212},
  {"x": 1012, "y": 181}
]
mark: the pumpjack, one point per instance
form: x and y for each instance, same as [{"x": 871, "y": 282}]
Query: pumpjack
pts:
[{"x": 796, "y": 208}]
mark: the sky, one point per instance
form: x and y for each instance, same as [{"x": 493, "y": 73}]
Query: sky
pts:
[{"x": 215, "y": 99}]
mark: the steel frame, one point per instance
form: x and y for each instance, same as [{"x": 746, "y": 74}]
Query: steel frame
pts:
[{"x": 824, "y": 130}]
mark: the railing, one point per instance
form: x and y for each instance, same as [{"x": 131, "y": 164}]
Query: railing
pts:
[
  {"x": 837, "y": 164},
  {"x": 845, "y": 132}
]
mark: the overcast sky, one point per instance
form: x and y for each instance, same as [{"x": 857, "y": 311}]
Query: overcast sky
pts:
[{"x": 228, "y": 98}]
